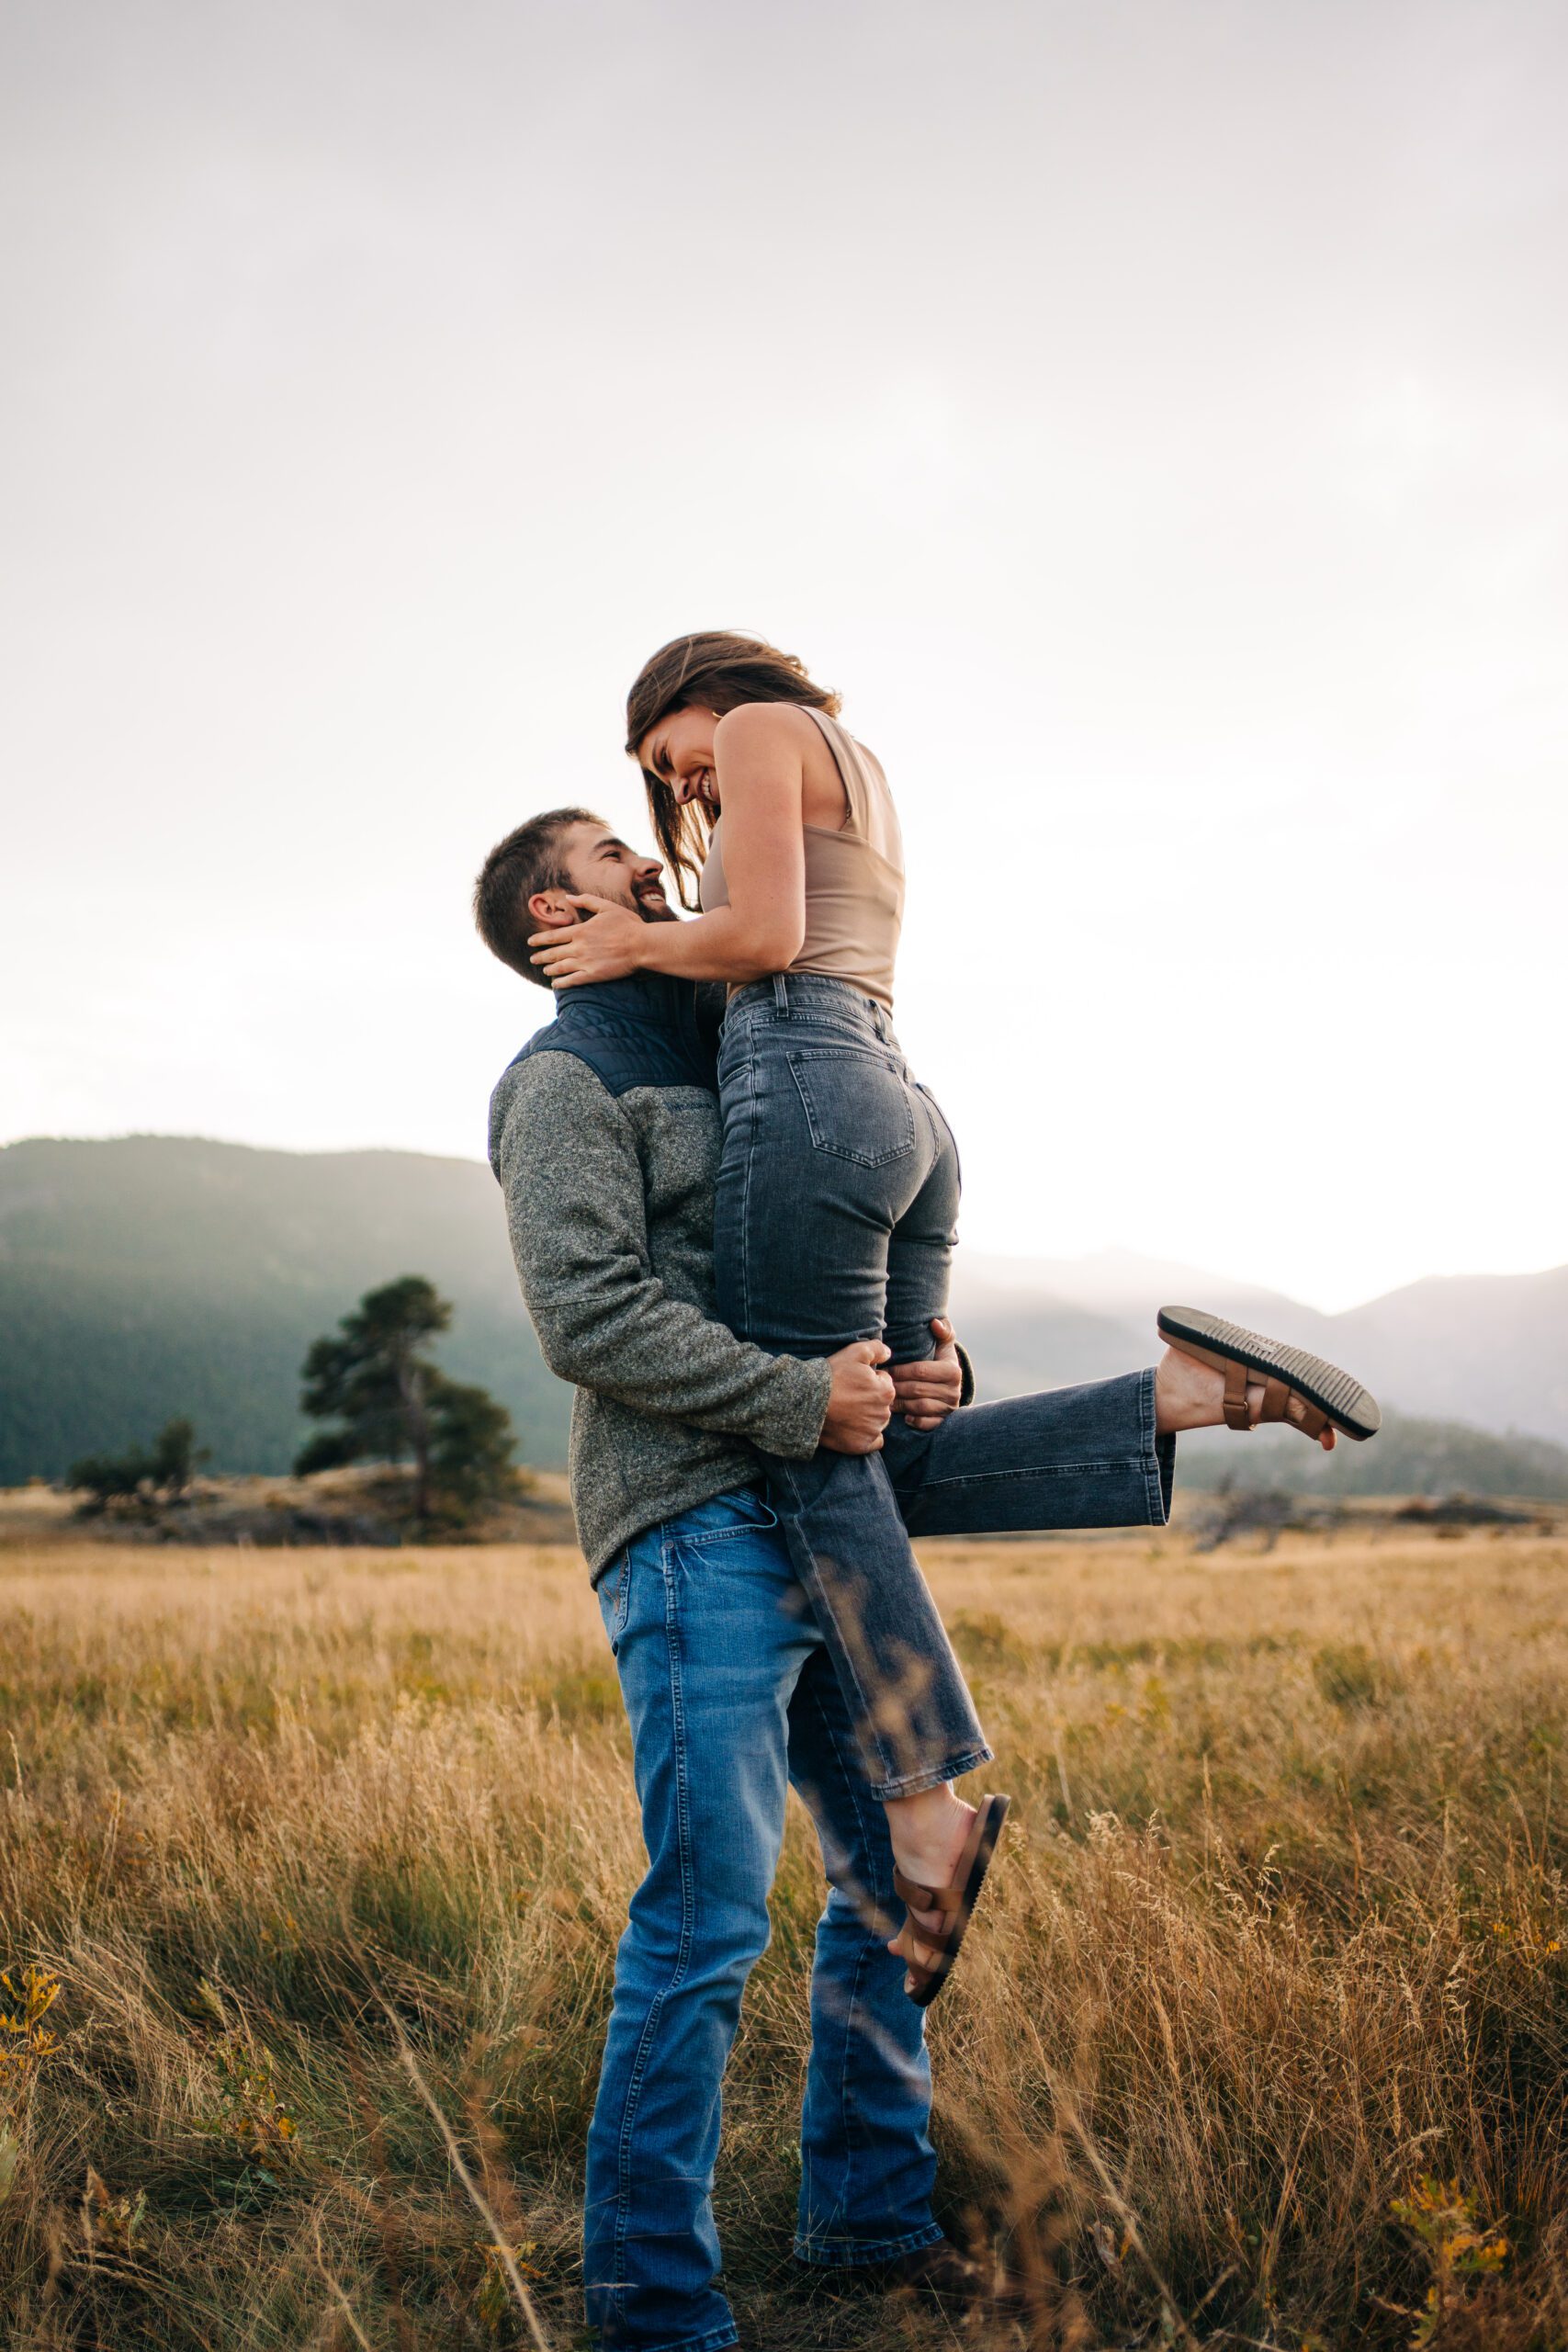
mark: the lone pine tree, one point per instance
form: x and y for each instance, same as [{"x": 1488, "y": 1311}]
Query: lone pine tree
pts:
[{"x": 388, "y": 1401}]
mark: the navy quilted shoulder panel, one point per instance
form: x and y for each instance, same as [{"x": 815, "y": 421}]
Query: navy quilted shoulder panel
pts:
[{"x": 641, "y": 1031}]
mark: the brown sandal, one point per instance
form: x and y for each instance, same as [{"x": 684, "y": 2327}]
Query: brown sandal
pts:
[
  {"x": 955, "y": 1903},
  {"x": 1328, "y": 1396}
]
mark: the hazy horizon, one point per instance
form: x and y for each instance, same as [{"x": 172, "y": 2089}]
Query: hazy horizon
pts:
[
  {"x": 1151, "y": 418},
  {"x": 1115, "y": 1271}
]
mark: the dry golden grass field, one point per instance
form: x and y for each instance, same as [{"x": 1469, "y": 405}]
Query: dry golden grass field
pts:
[{"x": 1263, "y": 2037}]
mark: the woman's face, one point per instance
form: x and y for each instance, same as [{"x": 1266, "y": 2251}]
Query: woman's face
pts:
[{"x": 680, "y": 749}]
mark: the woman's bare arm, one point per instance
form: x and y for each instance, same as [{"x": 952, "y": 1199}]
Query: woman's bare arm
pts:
[{"x": 758, "y": 754}]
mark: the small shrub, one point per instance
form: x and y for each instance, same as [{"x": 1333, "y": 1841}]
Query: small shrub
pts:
[{"x": 1459, "y": 2247}]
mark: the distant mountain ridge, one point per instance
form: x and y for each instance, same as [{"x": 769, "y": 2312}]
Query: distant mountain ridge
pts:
[
  {"x": 153, "y": 1275},
  {"x": 1491, "y": 1350}
]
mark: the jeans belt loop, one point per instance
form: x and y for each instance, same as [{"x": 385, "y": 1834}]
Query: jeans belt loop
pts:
[{"x": 781, "y": 993}]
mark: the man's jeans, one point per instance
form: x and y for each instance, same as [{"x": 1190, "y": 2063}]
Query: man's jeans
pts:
[{"x": 730, "y": 1693}]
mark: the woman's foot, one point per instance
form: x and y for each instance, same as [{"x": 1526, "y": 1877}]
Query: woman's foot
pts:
[
  {"x": 928, "y": 1964},
  {"x": 928, "y": 1832},
  {"x": 1191, "y": 1396},
  {"x": 1217, "y": 1371}
]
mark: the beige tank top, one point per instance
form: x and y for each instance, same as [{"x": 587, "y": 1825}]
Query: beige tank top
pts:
[{"x": 854, "y": 876}]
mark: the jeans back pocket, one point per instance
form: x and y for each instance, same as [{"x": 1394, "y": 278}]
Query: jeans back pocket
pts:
[{"x": 857, "y": 1104}]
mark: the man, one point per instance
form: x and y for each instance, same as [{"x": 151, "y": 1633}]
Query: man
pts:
[{"x": 604, "y": 1135}]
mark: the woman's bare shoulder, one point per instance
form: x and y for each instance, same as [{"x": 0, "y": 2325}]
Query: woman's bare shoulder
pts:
[{"x": 766, "y": 724}]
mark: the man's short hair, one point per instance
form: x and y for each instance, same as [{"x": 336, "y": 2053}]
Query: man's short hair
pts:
[{"x": 527, "y": 861}]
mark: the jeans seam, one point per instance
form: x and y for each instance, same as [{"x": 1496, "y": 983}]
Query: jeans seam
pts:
[
  {"x": 928, "y": 1107},
  {"x": 843, "y": 1664},
  {"x": 688, "y": 1906},
  {"x": 744, "y": 1253},
  {"x": 850, "y": 2030},
  {"x": 764, "y": 1016},
  {"x": 847, "y": 2026},
  {"x": 727, "y": 1534},
  {"x": 1110, "y": 1468},
  {"x": 870, "y": 1834},
  {"x": 622, "y": 1610}
]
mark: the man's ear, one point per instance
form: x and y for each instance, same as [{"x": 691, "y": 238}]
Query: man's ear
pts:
[{"x": 552, "y": 910}]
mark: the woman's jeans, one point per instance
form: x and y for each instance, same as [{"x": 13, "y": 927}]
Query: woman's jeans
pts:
[{"x": 837, "y": 1204}]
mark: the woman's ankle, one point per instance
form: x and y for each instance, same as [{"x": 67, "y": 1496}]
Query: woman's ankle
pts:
[
  {"x": 1188, "y": 1395},
  {"x": 924, "y": 1806},
  {"x": 926, "y": 1832}
]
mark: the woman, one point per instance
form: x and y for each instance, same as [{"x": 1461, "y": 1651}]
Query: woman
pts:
[{"x": 838, "y": 1189}]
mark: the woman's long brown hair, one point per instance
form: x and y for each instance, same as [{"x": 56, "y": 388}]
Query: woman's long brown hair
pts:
[{"x": 711, "y": 669}]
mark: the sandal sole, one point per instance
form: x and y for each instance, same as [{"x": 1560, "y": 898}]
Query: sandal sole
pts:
[
  {"x": 1350, "y": 1407},
  {"x": 997, "y": 1813}
]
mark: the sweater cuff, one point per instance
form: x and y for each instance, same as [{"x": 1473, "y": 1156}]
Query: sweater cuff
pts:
[{"x": 795, "y": 1431}]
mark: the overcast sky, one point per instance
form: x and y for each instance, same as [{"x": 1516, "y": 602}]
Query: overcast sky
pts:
[{"x": 1151, "y": 414}]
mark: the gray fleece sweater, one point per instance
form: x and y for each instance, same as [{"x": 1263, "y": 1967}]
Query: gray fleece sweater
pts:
[{"x": 604, "y": 1136}]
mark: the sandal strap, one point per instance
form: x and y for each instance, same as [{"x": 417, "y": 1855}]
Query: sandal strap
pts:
[
  {"x": 927, "y": 1898},
  {"x": 1236, "y": 1416},
  {"x": 1278, "y": 1398},
  {"x": 945, "y": 1942}
]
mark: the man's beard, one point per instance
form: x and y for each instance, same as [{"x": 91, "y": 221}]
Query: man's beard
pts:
[{"x": 654, "y": 910}]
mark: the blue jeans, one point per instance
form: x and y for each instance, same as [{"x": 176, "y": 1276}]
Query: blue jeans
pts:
[
  {"x": 834, "y": 1220},
  {"x": 731, "y": 1694}
]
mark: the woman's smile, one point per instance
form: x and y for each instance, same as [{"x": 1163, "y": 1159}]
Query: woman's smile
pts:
[{"x": 701, "y": 785}]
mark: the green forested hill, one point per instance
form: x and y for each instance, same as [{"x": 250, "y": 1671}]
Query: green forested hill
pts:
[{"x": 159, "y": 1274}]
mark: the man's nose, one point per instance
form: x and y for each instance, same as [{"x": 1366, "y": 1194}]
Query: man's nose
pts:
[{"x": 649, "y": 869}]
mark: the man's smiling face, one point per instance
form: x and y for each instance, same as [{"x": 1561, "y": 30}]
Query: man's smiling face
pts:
[{"x": 594, "y": 859}]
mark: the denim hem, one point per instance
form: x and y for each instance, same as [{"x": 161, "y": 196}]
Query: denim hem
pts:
[
  {"x": 1159, "y": 1455},
  {"x": 840, "y": 2257},
  {"x": 717, "y": 2339},
  {"x": 913, "y": 1783},
  {"x": 1165, "y": 1454}
]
